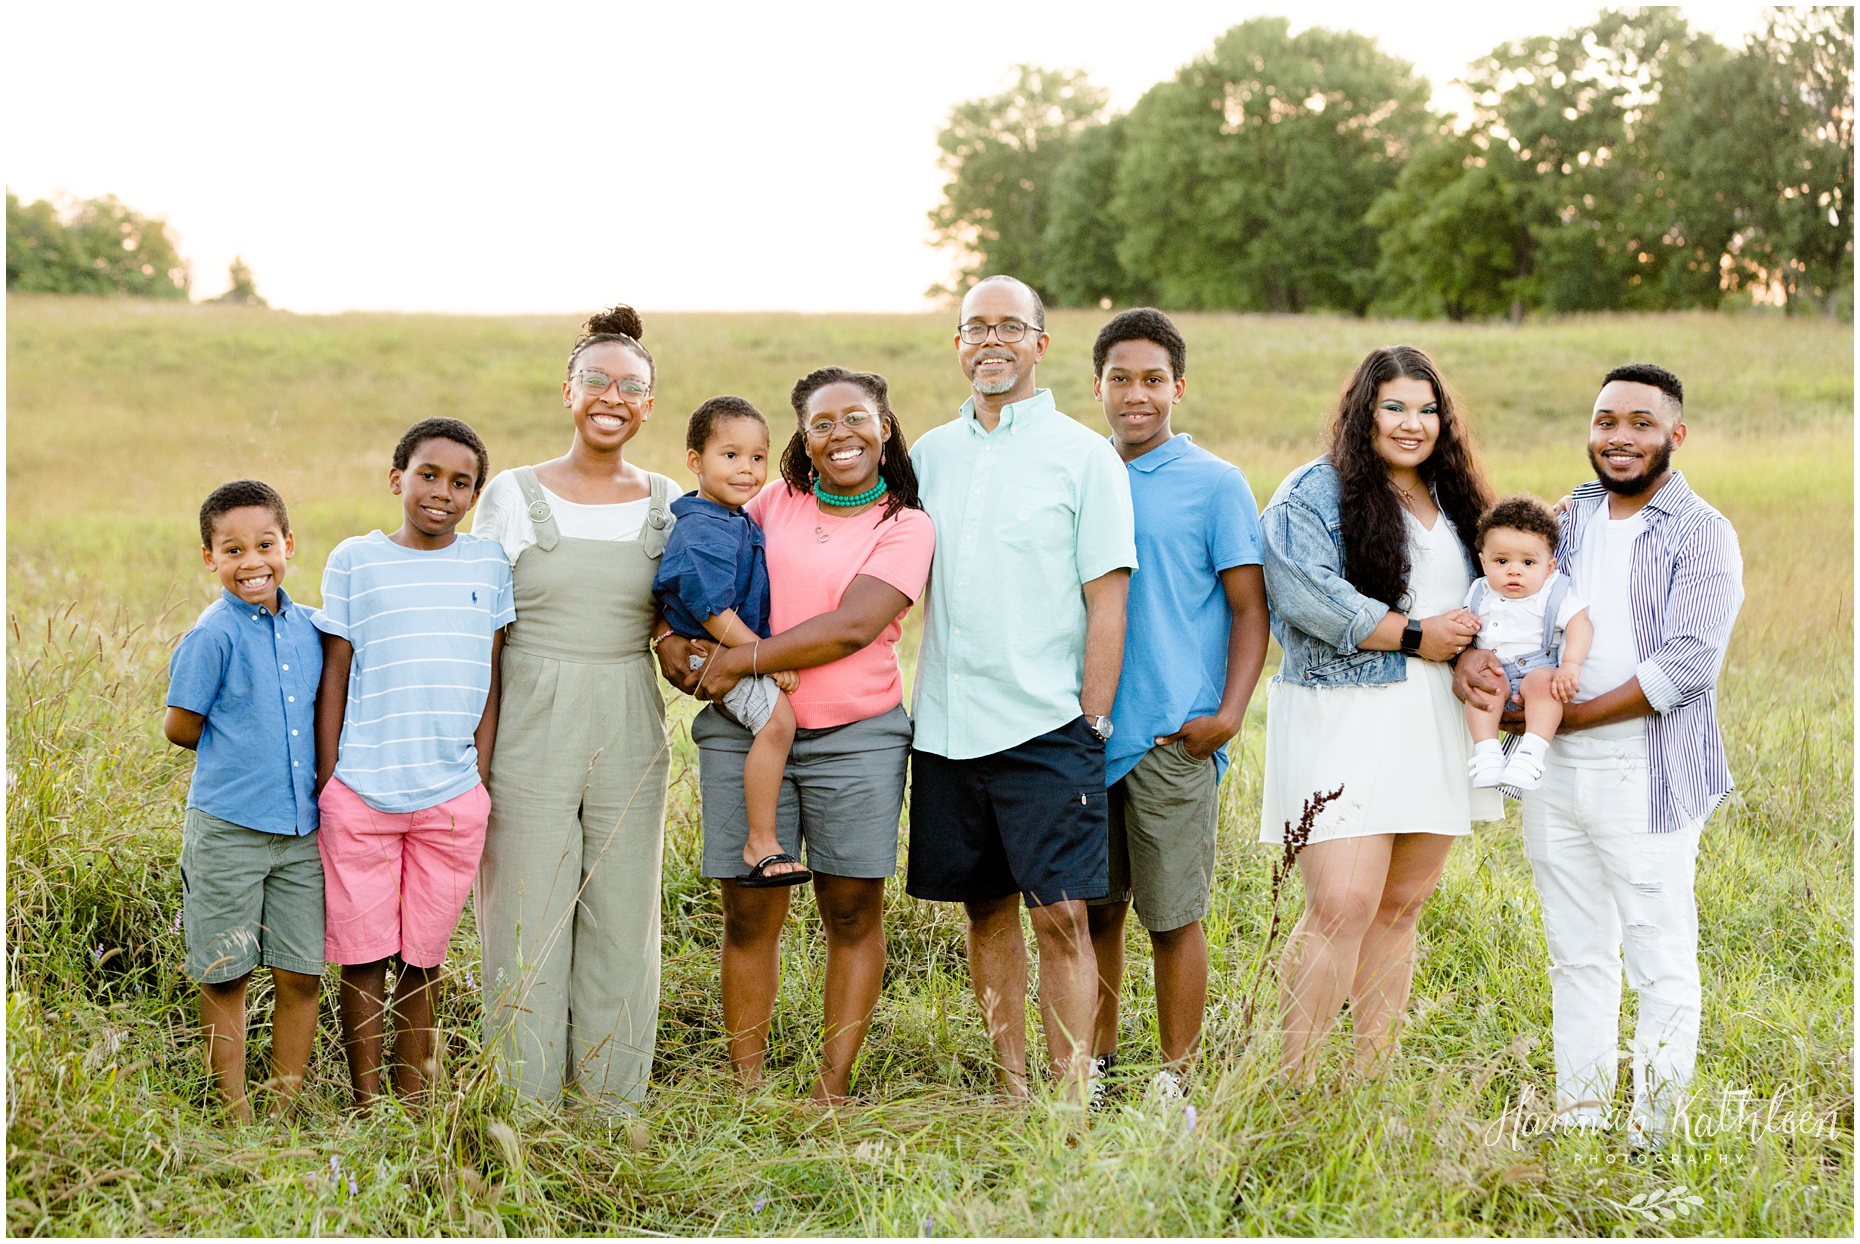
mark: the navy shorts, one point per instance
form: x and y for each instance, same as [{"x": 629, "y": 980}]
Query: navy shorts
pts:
[{"x": 1031, "y": 819}]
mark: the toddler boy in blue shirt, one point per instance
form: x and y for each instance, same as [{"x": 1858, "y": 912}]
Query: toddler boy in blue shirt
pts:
[
  {"x": 242, "y": 695},
  {"x": 713, "y": 583}
]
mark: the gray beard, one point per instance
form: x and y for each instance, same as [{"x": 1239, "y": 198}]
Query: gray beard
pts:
[{"x": 995, "y": 388}]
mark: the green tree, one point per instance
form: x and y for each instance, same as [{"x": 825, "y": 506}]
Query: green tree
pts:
[
  {"x": 240, "y": 286},
  {"x": 1082, "y": 268},
  {"x": 40, "y": 251},
  {"x": 1760, "y": 154},
  {"x": 1000, "y": 154},
  {"x": 1582, "y": 113},
  {"x": 1453, "y": 232},
  {"x": 100, "y": 246},
  {"x": 1246, "y": 178}
]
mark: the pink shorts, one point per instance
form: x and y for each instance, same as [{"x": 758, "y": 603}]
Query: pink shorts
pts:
[{"x": 395, "y": 883}]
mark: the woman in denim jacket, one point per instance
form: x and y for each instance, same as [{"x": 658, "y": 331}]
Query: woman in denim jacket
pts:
[{"x": 1367, "y": 558}]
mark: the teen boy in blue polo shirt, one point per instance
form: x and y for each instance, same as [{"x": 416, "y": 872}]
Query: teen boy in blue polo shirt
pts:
[
  {"x": 242, "y": 696},
  {"x": 1194, "y": 641}
]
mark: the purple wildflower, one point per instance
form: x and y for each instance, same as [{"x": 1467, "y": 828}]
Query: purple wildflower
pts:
[
  {"x": 1189, "y": 1114},
  {"x": 929, "y": 1224},
  {"x": 757, "y": 1207},
  {"x": 351, "y": 1183},
  {"x": 176, "y": 926}
]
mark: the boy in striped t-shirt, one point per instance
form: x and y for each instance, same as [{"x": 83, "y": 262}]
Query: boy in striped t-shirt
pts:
[{"x": 413, "y": 629}]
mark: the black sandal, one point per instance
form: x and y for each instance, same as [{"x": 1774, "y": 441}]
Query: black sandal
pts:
[{"x": 757, "y": 877}]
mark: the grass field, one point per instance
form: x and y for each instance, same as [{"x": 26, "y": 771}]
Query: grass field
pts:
[{"x": 121, "y": 415}]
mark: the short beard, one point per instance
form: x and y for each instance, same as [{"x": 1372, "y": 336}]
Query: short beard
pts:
[
  {"x": 995, "y": 388},
  {"x": 1656, "y": 467}
]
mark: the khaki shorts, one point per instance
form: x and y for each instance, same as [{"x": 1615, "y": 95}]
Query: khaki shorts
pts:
[
  {"x": 1163, "y": 818},
  {"x": 249, "y": 898}
]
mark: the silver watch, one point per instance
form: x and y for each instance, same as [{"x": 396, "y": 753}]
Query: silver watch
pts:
[{"x": 1100, "y": 726}]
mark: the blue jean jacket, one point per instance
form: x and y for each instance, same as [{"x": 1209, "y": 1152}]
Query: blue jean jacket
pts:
[{"x": 1317, "y": 617}]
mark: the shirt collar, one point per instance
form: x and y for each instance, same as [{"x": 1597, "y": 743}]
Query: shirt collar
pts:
[
  {"x": 695, "y": 503},
  {"x": 1162, "y": 455},
  {"x": 1669, "y": 499},
  {"x": 1013, "y": 415},
  {"x": 232, "y": 598}
]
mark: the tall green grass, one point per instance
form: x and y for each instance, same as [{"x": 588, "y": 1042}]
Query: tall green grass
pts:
[{"x": 123, "y": 415}]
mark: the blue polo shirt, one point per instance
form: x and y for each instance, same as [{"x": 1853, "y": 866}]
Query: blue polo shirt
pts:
[
  {"x": 1195, "y": 518},
  {"x": 253, "y": 676},
  {"x": 714, "y": 560}
]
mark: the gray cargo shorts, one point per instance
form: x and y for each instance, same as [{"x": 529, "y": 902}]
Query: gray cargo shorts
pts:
[
  {"x": 841, "y": 794},
  {"x": 248, "y": 898}
]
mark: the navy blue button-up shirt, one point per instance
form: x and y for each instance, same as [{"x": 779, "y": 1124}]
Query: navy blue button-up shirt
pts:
[
  {"x": 714, "y": 560},
  {"x": 253, "y": 676}
]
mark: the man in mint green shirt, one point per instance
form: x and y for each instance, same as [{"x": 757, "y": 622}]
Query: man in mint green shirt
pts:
[{"x": 1023, "y": 642}]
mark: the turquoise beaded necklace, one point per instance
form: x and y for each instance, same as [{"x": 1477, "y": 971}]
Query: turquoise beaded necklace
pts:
[{"x": 862, "y": 498}]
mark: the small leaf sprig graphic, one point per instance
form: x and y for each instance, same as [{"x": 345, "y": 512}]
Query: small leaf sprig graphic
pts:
[{"x": 1661, "y": 1204}]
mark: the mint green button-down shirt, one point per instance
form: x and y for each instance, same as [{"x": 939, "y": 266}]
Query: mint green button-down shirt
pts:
[{"x": 1025, "y": 516}]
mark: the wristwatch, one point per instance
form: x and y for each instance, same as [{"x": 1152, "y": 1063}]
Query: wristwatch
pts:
[
  {"x": 1100, "y": 726},
  {"x": 1411, "y": 639}
]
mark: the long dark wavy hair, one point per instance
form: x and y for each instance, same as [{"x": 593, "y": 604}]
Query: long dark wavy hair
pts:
[
  {"x": 895, "y": 468},
  {"x": 1375, "y": 540}
]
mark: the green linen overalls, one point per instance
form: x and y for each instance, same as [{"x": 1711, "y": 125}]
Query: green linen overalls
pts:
[{"x": 568, "y": 893}]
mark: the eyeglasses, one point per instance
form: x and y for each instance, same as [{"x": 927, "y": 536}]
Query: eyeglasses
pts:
[
  {"x": 598, "y": 382},
  {"x": 852, "y": 421},
  {"x": 1006, "y": 332}
]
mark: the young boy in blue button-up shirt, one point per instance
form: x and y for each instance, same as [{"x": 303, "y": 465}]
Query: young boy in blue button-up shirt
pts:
[{"x": 242, "y": 695}]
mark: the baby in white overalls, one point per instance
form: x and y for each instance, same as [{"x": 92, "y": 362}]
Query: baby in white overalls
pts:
[{"x": 1523, "y": 607}]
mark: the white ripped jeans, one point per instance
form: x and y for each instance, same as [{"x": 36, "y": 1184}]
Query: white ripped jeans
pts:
[{"x": 1600, "y": 874}]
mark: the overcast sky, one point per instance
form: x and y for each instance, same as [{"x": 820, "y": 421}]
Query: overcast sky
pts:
[{"x": 552, "y": 157}]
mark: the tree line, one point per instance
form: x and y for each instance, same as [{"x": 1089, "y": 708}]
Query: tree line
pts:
[
  {"x": 1630, "y": 164},
  {"x": 102, "y": 246}
]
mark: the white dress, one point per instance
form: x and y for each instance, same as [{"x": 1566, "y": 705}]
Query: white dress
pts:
[{"x": 1399, "y": 750}]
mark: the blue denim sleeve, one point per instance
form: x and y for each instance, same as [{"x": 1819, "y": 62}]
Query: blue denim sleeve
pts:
[{"x": 1304, "y": 579}]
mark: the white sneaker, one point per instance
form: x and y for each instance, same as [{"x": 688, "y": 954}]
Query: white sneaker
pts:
[
  {"x": 1094, "y": 1084},
  {"x": 1165, "y": 1087},
  {"x": 1485, "y": 767},
  {"x": 1522, "y": 772}
]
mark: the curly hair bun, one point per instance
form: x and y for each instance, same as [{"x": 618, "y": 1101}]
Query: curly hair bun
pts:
[{"x": 618, "y": 318}]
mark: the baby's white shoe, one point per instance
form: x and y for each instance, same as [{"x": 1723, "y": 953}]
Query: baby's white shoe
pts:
[
  {"x": 1487, "y": 762},
  {"x": 1523, "y": 771}
]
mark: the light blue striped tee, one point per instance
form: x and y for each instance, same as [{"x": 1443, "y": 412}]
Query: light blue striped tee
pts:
[{"x": 421, "y": 623}]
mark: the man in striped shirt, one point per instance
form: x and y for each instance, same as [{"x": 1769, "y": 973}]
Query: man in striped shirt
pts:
[{"x": 1638, "y": 765}]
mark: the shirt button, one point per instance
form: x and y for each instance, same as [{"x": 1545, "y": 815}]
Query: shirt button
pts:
[
  {"x": 287, "y": 667},
  {"x": 978, "y": 492},
  {"x": 968, "y": 537},
  {"x": 955, "y": 630},
  {"x": 955, "y": 677},
  {"x": 293, "y": 764},
  {"x": 962, "y": 583},
  {"x": 293, "y": 734},
  {"x": 290, "y": 699}
]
